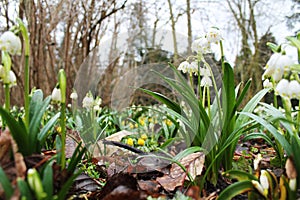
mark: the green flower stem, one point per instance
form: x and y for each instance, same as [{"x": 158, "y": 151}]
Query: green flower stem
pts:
[
  {"x": 222, "y": 56},
  {"x": 298, "y": 119},
  {"x": 7, "y": 96},
  {"x": 62, "y": 80},
  {"x": 6, "y": 60},
  {"x": 208, "y": 101},
  {"x": 216, "y": 89},
  {"x": 203, "y": 96},
  {"x": 25, "y": 36},
  {"x": 192, "y": 81},
  {"x": 63, "y": 134},
  {"x": 199, "y": 81}
]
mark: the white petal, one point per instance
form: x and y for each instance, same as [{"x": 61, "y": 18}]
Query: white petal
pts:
[
  {"x": 264, "y": 180},
  {"x": 214, "y": 35},
  {"x": 11, "y": 43},
  {"x": 74, "y": 96},
  {"x": 56, "y": 95},
  {"x": 282, "y": 87},
  {"x": 294, "y": 89},
  {"x": 12, "y": 79}
]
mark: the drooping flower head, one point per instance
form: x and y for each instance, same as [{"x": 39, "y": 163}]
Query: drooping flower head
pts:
[
  {"x": 288, "y": 89},
  {"x": 188, "y": 67},
  {"x": 205, "y": 80},
  {"x": 213, "y": 35},
  {"x": 88, "y": 101},
  {"x": 10, "y": 43},
  {"x": 276, "y": 66},
  {"x": 201, "y": 45},
  {"x": 56, "y": 95},
  {"x": 12, "y": 79},
  {"x": 74, "y": 95},
  {"x": 263, "y": 179}
]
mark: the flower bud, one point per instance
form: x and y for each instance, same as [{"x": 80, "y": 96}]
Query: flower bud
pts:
[{"x": 35, "y": 183}]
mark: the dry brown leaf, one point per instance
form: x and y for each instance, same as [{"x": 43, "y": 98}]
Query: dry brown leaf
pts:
[
  {"x": 150, "y": 186},
  {"x": 5, "y": 147},
  {"x": 19, "y": 161},
  {"x": 193, "y": 163}
]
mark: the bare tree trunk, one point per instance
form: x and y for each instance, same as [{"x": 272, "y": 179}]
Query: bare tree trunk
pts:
[
  {"x": 173, "y": 24},
  {"x": 189, "y": 26}
]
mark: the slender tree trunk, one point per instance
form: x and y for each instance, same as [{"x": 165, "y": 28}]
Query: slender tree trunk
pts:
[
  {"x": 173, "y": 23},
  {"x": 189, "y": 26}
]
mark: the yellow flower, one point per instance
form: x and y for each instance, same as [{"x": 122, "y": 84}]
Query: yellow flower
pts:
[
  {"x": 142, "y": 121},
  {"x": 141, "y": 142},
  {"x": 58, "y": 129},
  {"x": 130, "y": 141},
  {"x": 144, "y": 136},
  {"x": 168, "y": 122},
  {"x": 131, "y": 126},
  {"x": 150, "y": 119}
]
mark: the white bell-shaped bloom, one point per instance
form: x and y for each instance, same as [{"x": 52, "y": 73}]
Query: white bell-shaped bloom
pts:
[
  {"x": 282, "y": 88},
  {"x": 10, "y": 43},
  {"x": 288, "y": 89},
  {"x": 88, "y": 101},
  {"x": 74, "y": 95},
  {"x": 267, "y": 84},
  {"x": 12, "y": 79},
  {"x": 188, "y": 67},
  {"x": 276, "y": 66},
  {"x": 213, "y": 35},
  {"x": 264, "y": 182},
  {"x": 205, "y": 80},
  {"x": 201, "y": 45},
  {"x": 56, "y": 95},
  {"x": 294, "y": 89}
]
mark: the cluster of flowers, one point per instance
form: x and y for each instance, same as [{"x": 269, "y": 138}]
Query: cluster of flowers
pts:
[
  {"x": 140, "y": 141},
  {"x": 202, "y": 46},
  {"x": 88, "y": 101},
  {"x": 283, "y": 80},
  {"x": 264, "y": 183},
  {"x": 11, "y": 44}
]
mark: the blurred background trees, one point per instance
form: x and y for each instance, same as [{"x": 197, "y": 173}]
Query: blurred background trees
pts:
[{"x": 64, "y": 32}]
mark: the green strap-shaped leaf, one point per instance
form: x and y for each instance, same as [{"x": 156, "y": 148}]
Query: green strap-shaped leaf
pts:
[
  {"x": 163, "y": 99},
  {"x": 243, "y": 93},
  {"x": 17, "y": 130},
  {"x": 239, "y": 175},
  {"x": 35, "y": 123},
  {"x": 24, "y": 189},
  {"x": 48, "y": 180},
  {"x": 280, "y": 138},
  {"x": 228, "y": 96},
  {"x": 45, "y": 130},
  {"x": 236, "y": 189},
  {"x": 250, "y": 106},
  {"x": 4, "y": 181}
]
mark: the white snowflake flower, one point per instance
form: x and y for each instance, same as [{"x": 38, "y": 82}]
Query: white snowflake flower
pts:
[
  {"x": 10, "y": 43},
  {"x": 201, "y": 45},
  {"x": 88, "y": 101},
  {"x": 213, "y": 35},
  {"x": 56, "y": 95}
]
